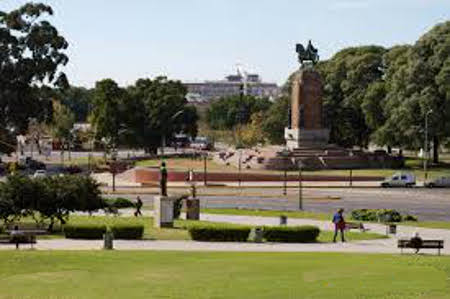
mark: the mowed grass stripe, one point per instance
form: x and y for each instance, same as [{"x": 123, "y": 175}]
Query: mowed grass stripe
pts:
[{"x": 139, "y": 274}]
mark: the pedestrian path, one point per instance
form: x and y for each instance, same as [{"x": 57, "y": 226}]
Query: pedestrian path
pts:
[{"x": 370, "y": 246}]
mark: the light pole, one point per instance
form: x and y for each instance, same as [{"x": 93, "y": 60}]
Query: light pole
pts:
[
  {"x": 300, "y": 187},
  {"x": 285, "y": 154},
  {"x": 205, "y": 170},
  {"x": 425, "y": 161},
  {"x": 163, "y": 137}
]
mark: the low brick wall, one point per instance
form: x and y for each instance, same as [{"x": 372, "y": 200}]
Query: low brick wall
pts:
[{"x": 150, "y": 175}]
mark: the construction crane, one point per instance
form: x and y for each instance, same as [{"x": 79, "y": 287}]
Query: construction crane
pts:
[{"x": 244, "y": 75}]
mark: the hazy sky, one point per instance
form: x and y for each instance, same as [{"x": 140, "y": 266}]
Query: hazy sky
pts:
[{"x": 195, "y": 40}]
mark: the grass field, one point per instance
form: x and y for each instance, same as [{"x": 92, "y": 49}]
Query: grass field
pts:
[{"x": 139, "y": 274}]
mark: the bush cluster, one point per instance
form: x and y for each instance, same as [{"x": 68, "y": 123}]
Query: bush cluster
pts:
[
  {"x": 96, "y": 231},
  {"x": 291, "y": 234},
  {"x": 119, "y": 203},
  {"x": 84, "y": 231},
  {"x": 128, "y": 231},
  {"x": 383, "y": 215},
  {"x": 233, "y": 233},
  {"x": 219, "y": 233},
  {"x": 49, "y": 198}
]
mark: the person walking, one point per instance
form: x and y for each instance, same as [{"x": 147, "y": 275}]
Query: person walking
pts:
[
  {"x": 339, "y": 224},
  {"x": 138, "y": 207}
]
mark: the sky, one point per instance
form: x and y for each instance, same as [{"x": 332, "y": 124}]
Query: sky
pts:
[{"x": 197, "y": 40}]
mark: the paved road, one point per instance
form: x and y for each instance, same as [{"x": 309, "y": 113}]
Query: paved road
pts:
[{"x": 427, "y": 204}]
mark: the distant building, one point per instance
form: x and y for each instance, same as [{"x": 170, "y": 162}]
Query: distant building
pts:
[{"x": 232, "y": 85}]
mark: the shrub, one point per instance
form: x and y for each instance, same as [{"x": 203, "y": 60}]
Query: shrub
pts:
[
  {"x": 84, "y": 231},
  {"x": 293, "y": 234},
  {"x": 128, "y": 231},
  {"x": 219, "y": 233},
  {"x": 409, "y": 218},
  {"x": 121, "y": 203},
  {"x": 384, "y": 215},
  {"x": 96, "y": 231}
]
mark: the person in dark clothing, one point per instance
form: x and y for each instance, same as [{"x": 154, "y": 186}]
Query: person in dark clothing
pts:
[
  {"x": 163, "y": 179},
  {"x": 339, "y": 224},
  {"x": 416, "y": 242},
  {"x": 138, "y": 207}
]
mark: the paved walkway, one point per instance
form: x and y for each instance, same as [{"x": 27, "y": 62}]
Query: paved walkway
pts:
[{"x": 372, "y": 246}]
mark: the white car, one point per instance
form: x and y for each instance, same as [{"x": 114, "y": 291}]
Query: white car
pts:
[
  {"x": 400, "y": 180},
  {"x": 439, "y": 182},
  {"x": 40, "y": 173}
]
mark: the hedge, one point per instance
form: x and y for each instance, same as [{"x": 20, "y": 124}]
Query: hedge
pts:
[
  {"x": 384, "y": 215},
  {"x": 84, "y": 231},
  {"x": 291, "y": 234},
  {"x": 96, "y": 231},
  {"x": 219, "y": 233},
  {"x": 119, "y": 203},
  {"x": 128, "y": 231}
]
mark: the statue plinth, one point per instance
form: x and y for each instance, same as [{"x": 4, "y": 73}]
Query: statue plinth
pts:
[{"x": 307, "y": 129}]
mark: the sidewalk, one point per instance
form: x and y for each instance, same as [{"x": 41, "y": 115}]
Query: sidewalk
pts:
[{"x": 372, "y": 246}]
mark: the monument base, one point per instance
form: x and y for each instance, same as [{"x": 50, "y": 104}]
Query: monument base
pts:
[
  {"x": 163, "y": 211},
  {"x": 315, "y": 138}
]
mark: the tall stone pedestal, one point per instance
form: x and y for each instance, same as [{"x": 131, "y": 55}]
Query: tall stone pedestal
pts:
[
  {"x": 193, "y": 209},
  {"x": 306, "y": 123},
  {"x": 163, "y": 211},
  {"x": 312, "y": 138}
]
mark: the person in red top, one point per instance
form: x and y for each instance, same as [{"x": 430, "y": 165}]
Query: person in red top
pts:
[{"x": 339, "y": 224}]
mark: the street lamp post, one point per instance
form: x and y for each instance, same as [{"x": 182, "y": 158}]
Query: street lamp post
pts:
[
  {"x": 285, "y": 154},
  {"x": 300, "y": 187},
  {"x": 205, "y": 170},
  {"x": 425, "y": 161},
  {"x": 113, "y": 168},
  {"x": 163, "y": 137}
]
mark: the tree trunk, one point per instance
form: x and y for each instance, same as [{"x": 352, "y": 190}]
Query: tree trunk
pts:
[
  {"x": 389, "y": 149},
  {"x": 435, "y": 150}
]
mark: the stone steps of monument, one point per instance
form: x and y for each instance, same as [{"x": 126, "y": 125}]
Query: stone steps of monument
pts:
[{"x": 279, "y": 163}]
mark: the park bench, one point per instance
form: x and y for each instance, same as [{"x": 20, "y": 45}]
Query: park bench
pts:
[
  {"x": 21, "y": 236},
  {"x": 425, "y": 244},
  {"x": 355, "y": 225}
]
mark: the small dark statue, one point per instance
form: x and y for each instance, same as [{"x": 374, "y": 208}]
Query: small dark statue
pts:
[
  {"x": 163, "y": 179},
  {"x": 309, "y": 55}
]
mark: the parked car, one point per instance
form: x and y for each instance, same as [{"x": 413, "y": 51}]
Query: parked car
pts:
[
  {"x": 441, "y": 182},
  {"x": 202, "y": 143},
  {"x": 40, "y": 173},
  {"x": 400, "y": 180},
  {"x": 180, "y": 141}
]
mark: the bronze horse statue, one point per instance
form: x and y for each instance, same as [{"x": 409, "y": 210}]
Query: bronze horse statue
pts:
[{"x": 310, "y": 54}]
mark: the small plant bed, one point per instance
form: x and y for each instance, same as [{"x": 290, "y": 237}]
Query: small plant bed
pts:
[{"x": 381, "y": 215}]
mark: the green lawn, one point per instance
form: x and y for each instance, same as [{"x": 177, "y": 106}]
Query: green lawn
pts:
[{"x": 149, "y": 274}]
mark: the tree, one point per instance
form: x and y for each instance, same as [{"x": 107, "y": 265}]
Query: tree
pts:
[
  {"x": 253, "y": 133},
  {"x": 227, "y": 112},
  {"x": 348, "y": 77},
  {"x": 276, "y": 119},
  {"x": 109, "y": 111},
  {"x": 162, "y": 110},
  {"x": 79, "y": 101},
  {"x": 62, "y": 125},
  {"x": 31, "y": 52}
]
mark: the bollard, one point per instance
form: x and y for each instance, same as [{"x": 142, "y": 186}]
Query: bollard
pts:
[
  {"x": 108, "y": 239},
  {"x": 283, "y": 220},
  {"x": 258, "y": 234},
  {"x": 392, "y": 229}
]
